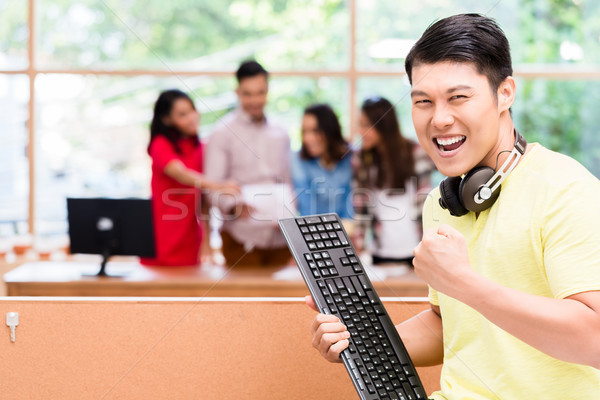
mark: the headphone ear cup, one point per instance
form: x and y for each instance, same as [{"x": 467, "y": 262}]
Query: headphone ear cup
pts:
[
  {"x": 450, "y": 198},
  {"x": 470, "y": 185}
]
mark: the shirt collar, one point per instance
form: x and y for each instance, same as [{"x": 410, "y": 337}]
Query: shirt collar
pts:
[{"x": 246, "y": 118}]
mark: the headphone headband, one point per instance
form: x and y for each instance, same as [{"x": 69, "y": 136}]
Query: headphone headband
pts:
[
  {"x": 487, "y": 189},
  {"x": 480, "y": 187}
]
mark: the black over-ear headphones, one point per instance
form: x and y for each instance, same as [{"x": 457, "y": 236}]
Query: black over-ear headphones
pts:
[{"x": 480, "y": 187}]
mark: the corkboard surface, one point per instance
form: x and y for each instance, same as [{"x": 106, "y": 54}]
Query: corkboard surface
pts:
[{"x": 172, "y": 349}]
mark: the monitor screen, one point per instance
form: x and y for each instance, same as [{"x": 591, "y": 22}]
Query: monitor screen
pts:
[{"x": 110, "y": 227}]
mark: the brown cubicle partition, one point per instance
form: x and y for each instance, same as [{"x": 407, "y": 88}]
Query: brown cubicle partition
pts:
[{"x": 164, "y": 348}]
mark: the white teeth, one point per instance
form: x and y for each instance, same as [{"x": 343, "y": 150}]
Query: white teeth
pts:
[{"x": 449, "y": 141}]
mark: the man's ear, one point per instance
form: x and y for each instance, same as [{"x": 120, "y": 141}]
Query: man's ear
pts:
[{"x": 506, "y": 93}]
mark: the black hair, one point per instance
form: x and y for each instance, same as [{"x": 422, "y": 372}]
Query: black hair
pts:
[
  {"x": 249, "y": 69},
  {"x": 472, "y": 38},
  {"x": 329, "y": 125},
  {"x": 392, "y": 158},
  {"x": 162, "y": 109}
]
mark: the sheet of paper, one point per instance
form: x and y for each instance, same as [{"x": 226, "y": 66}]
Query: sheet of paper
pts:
[{"x": 270, "y": 202}]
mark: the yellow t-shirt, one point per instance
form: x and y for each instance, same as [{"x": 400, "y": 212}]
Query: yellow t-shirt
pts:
[{"x": 542, "y": 236}]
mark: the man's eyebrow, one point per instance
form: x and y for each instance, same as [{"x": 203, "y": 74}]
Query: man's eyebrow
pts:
[
  {"x": 450, "y": 90},
  {"x": 458, "y": 88},
  {"x": 414, "y": 93}
]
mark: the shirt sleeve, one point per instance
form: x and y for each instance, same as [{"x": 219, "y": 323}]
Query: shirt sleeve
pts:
[
  {"x": 347, "y": 210},
  {"x": 571, "y": 239},
  {"x": 162, "y": 152},
  {"x": 216, "y": 168},
  {"x": 286, "y": 174}
]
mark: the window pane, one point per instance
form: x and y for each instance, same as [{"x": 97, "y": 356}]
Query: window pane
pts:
[
  {"x": 288, "y": 97},
  {"x": 560, "y": 32},
  {"x": 561, "y": 115},
  {"x": 557, "y": 32},
  {"x": 14, "y": 34},
  {"x": 92, "y": 130},
  {"x": 14, "y": 166},
  {"x": 387, "y": 30},
  {"x": 198, "y": 35}
]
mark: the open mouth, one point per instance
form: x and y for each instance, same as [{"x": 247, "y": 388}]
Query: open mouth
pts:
[{"x": 450, "y": 143}]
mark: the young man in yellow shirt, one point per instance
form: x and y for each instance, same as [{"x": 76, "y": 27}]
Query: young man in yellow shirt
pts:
[{"x": 514, "y": 276}]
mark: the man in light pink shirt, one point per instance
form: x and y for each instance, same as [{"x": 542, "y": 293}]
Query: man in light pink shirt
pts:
[{"x": 249, "y": 149}]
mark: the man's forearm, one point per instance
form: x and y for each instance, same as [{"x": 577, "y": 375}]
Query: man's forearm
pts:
[
  {"x": 422, "y": 337},
  {"x": 567, "y": 329}
]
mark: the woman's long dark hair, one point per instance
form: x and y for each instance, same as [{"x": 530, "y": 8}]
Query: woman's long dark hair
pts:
[
  {"x": 162, "y": 109},
  {"x": 392, "y": 158},
  {"x": 329, "y": 125}
]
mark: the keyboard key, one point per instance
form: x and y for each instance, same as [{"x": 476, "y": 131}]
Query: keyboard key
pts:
[
  {"x": 312, "y": 220},
  {"x": 332, "y": 287},
  {"x": 358, "y": 286},
  {"x": 342, "y": 239},
  {"x": 329, "y": 218},
  {"x": 414, "y": 381},
  {"x": 420, "y": 392},
  {"x": 363, "y": 282},
  {"x": 350, "y": 287},
  {"x": 408, "y": 391}
]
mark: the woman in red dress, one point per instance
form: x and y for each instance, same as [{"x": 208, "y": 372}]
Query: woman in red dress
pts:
[{"x": 177, "y": 180}]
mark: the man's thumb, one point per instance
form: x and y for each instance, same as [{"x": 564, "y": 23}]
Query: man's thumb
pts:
[{"x": 448, "y": 231}]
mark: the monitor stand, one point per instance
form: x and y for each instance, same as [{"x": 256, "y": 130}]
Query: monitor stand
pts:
[{"x": 102, "y": 273}]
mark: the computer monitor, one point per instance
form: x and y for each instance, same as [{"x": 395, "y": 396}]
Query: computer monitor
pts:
[{"x": 110, "y": 227}]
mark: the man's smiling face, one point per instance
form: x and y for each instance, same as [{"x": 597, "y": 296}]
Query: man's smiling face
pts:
[{"x": 456, "y": 116}]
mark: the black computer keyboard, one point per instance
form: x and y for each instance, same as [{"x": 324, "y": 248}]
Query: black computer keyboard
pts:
[{"x": 376, "y": 358}]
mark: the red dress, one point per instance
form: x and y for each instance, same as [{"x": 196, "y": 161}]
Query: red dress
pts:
[{"x": 177, "y": 231}]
